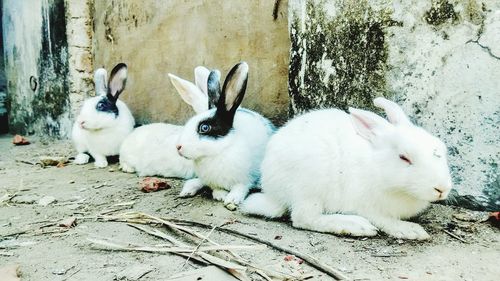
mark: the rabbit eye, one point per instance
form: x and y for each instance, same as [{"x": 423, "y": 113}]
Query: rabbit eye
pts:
[
  {"x": 204, "y": 128},
  {"x": 404, "y": 158}
]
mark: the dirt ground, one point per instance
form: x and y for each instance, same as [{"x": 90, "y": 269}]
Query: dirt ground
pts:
[{"x": 46, "y": 251}]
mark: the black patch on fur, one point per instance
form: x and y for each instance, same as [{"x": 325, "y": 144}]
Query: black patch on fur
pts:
[
  {"x": 111, "y": 77},
  {"x": 213, "y": 88},
  {"x": 221, "y": 123},
  {"x": 107, "y": 106},
  {"x": 227, "y": 116},
  {"x": 218, "y": 127}
]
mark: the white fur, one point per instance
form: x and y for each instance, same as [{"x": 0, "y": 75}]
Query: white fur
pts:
[
  {"x": 150, "y": 149},
  {"x": 98, "y": 133},
  {"x": 228, "y": 165},
  {"x": 341, "y": 173}
]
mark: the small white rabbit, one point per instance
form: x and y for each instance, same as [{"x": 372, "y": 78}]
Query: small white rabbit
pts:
[
  {"x": 226, "y": 143},
  {"x": 150, "y": 149},
  {"x": 104, "y": 120},
  {"x": 352, "y": 173}
]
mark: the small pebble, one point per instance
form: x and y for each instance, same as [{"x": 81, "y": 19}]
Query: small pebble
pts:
[
  {"x": 46, "y": 200},
  {"x": 71, "y": 181},
  {"x": 231, "y": 207}
]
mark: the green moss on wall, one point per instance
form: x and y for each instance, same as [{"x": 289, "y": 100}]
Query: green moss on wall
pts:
[
  {"x": 441, "y": 12},
  {"x": 340, "y": 61},
  {"x": 52, "y": 99}
]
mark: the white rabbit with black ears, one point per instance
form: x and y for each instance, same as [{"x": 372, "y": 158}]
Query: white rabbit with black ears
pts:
[
  {"x": 226, "y": 143},
  {"x": 352, "y": 173},
  {"x": 104, "y": 120},
  {"x": 150, "y": 149}
]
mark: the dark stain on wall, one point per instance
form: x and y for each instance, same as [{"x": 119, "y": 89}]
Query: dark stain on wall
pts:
[
  {"x": 52, "y": 99},
  {"x": 353, "y": 47},
  {"x": 3, "y": 82},
  {"x": 441, "y": 12},
  {"x": 50, "y": 84}
]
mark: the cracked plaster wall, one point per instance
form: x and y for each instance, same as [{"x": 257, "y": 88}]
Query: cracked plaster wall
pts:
[
  {"x": 79, "y": 22},
  {"x": 439, "y": 59}
]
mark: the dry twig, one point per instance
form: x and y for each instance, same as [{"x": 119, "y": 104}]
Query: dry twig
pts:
[
  {"x": 455, "y": 236},
  {"x": 336, "y": 274},
  {"x": 225, "y": 263}
]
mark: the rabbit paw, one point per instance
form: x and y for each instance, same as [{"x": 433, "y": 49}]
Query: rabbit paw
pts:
[
  {"x": 81, "y": 159},
  {"x": 219, "y": 194},
  {"x": 406, "y": 230},
  {"x": 358, "y": 226},
  {"x": 100, "y": 162},
  {"x": 127, "y": 168},
  {"x": 190, "y": 188},
  {"x": 235, "y": 197},
  {"x": 333, "y": 223}
]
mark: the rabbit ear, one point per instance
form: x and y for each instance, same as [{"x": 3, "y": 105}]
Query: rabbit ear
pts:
[
  {"x": 191, "y": 94},
  {"x": 100, "y": 81},
  {"x": 393, "y": 111},
  {"x": 117, "y": 81},
  {"x": 201, "y": 78},
  {"x": 213, "y": 88},
  {"x": 234, "y": 88},
  {"x": 368, "y": 124}
]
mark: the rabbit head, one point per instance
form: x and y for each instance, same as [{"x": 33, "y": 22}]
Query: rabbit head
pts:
[
  {"x": 413, "y": 161},
  {"x": 210, "y": 132},
  {"x": 101, "y": 112}
]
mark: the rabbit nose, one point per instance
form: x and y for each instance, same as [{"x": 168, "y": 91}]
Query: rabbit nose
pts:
[{"x": 179, "y": 147}]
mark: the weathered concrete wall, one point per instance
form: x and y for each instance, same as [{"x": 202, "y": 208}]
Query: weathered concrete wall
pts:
[
  {"x": 439, "y": 59},
  {"x": 79, "y": 19},
  {"x": 3, "y": 84},
  {"x": 35, "y": 53},
  {"x": 157, "y": 37}
]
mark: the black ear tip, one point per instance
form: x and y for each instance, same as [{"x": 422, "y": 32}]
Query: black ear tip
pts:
[
  {"x": 121, "y": 65},
  {"x": 241, "y": 68}
]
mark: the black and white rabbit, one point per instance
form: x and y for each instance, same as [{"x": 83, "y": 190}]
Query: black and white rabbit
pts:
[
  {"x": 150, "y": 149},
  {"x": 104, "y": 120},
  {"x": 225, "y": 143},
  {"x": 352, "y": 173}
]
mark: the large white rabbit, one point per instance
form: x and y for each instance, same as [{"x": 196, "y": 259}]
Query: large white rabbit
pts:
[
  {"x": 104, "y": 120},
  {"x": 352, "y": 173},
  {"x": 226, "y": 143},
  {"x": 150, "y": 149}
]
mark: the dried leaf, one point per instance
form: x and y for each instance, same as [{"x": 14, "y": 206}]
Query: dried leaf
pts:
[
  {"x": 153, "y": 184},
  {"x": 53, "y": 161},
  {"x": 20, "y": 140},
  {"x": 495, "y": 218},
  {"x": 68, "y": 223}
]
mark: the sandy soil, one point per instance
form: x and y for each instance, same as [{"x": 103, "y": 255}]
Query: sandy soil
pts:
[{"x": 48, "y": 252}]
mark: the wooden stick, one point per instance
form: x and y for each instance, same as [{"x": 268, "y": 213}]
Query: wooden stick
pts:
[
  {"x": 455, "y": 236},
  {"x": 257, "y": 270},
  {"x": 332, "y": 272},
  {"x": 141, "y": 218},
  {"x": 198, "y": 247}
]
